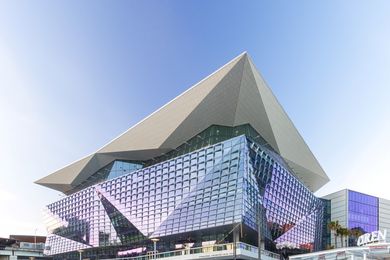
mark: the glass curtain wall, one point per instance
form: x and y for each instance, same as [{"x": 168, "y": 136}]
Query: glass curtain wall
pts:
[{"x": 196, "y": 196}]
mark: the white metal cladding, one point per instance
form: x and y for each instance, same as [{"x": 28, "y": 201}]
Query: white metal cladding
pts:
[
  {"x": 384, "y": 214},
  {"x": 235, "y": 94}
]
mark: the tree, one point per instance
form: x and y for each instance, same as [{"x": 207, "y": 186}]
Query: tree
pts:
[
  {"x": 334, "y": 226},
  {"x": 355, "y": 233},
  {"x": 339, "y": 232},
  {"x": 343, "y": 232}
]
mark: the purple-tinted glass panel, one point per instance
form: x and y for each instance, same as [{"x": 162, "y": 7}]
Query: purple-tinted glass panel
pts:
[{"x": 362, "y": 211}]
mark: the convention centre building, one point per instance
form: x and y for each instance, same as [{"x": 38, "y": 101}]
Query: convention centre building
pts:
[{"x": 220, "y": 167}]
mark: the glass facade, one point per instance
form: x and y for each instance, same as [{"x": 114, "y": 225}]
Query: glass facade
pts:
[
  {"x": 212, "y": 135},
  {"x": 110, "y": 171},
  {"x": 196, "y": 196},
  {"x": 363, "y": 211},
  {"x": 292, "y": 213},
  {"x": 327, "y": 217}
]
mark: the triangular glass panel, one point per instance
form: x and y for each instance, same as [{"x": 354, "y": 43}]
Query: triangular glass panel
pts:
[{"x": 125, "y": 230}]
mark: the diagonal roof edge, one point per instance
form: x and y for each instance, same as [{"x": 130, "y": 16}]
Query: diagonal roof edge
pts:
[
  {"x": 250, "y": 106},
  {"x": 213, "y": 100},
  {"x": 306, "y": 158},
  {"x": 87, "y": 159},
  {"x": 218, "y": 113},
  {"x": 236, "y": 59}
]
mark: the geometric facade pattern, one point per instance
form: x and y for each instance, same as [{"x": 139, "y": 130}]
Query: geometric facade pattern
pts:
[
  {"x": 58, "y": 244},
  {"x": 222, "y": 154},
  {"x": 209, "y": 188},
  {"x": 126, "y": 231},
  {"x": 293, "y": 213}
]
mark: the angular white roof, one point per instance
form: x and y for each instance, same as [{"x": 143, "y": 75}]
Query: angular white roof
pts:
[{"x": 235, "y": 94}]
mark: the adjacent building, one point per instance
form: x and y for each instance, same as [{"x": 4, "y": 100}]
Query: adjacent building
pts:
[
  {"x": 213, "y": 166},
  {"x": 368, "y": 215},
  {"x": 356, "y": 210},
  {"x": 22, "y": 247}
]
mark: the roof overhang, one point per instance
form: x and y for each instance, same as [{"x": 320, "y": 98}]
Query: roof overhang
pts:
[{"x": 236, "y": 94}]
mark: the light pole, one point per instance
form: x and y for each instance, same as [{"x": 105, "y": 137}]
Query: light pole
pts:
[
  {"x": 259, "y": 229},
  {"x": 35, "y": 239},
  {"x": 80, "y": 253},
  {"x": 155, "y": 240}
]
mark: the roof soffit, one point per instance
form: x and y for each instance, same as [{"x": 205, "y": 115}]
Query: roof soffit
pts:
[
  {"x": 291, "y": 145},
  {"x": 250, "y": 108},
  {"x": 234, "y": 95}
]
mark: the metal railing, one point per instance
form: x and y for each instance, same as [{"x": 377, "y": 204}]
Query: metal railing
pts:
[
  {"x": 254, "y": 250},
  {"x": 210, "y": 249}
]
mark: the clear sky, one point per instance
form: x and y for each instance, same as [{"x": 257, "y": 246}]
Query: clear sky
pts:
[{"x": 75, "y": 74}]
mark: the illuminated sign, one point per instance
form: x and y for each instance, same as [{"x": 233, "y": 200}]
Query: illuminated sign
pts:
[
  {"x": 373, "y": 237},
  {"x": 132, "y": 251}
]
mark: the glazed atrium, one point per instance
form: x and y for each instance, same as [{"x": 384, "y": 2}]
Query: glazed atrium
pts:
[{"x": 218, "y": 165}]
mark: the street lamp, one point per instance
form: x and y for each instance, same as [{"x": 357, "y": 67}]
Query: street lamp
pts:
[
  {"x": 258, "y": 215},
  {"x": 35, "y": 239},
  {"x": 80, "y": 253},
  {"x": 155, "y": 240}
]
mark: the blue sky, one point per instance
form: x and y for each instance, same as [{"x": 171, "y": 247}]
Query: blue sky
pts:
[{"x": 74, "y": 75}]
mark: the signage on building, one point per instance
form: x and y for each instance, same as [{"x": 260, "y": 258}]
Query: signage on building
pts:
[
  {"x": 373, "y": 237},
  {"x": 378, "y": 249}
]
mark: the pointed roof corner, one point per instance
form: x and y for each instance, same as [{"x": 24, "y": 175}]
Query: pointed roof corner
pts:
[
  {"x": 233, "y": 95},
  {"x": 244, "y": 56},
  {"x": 244, "y": 53}
]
